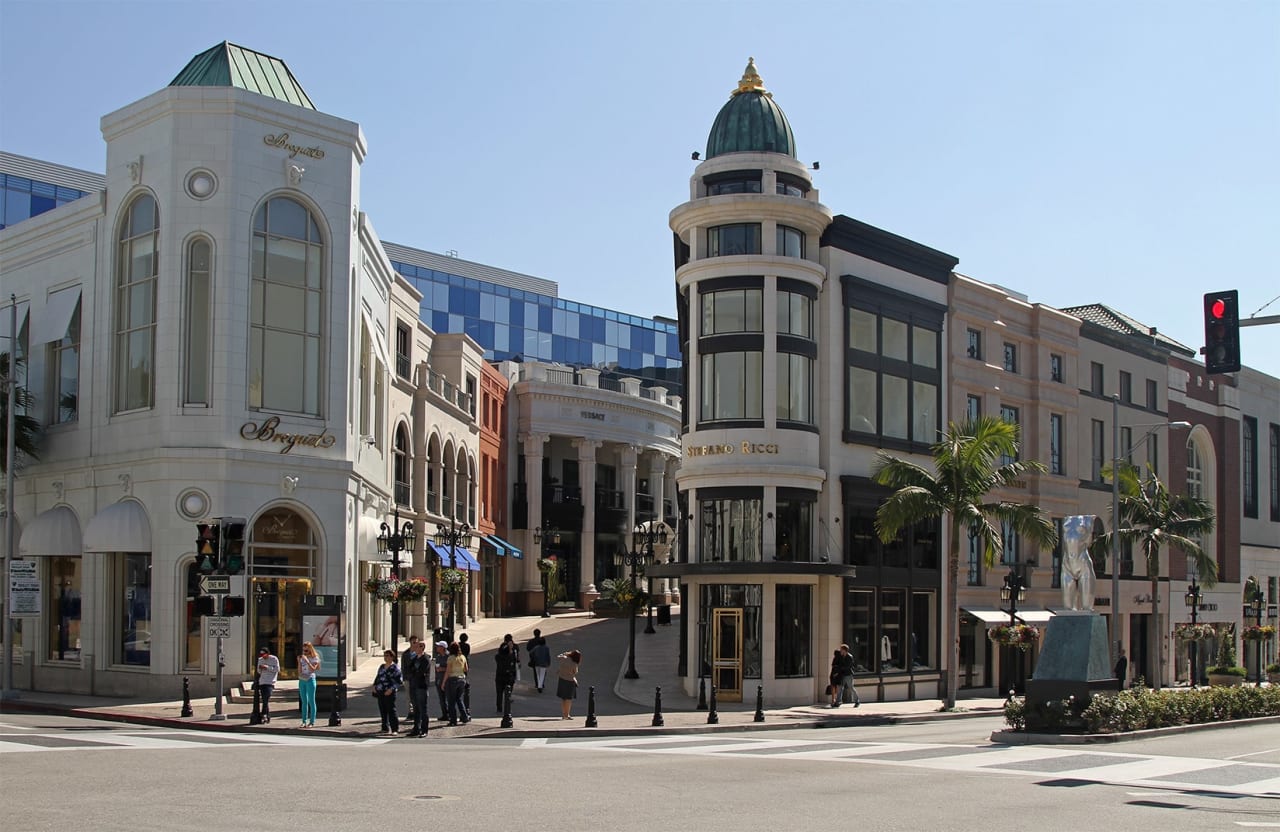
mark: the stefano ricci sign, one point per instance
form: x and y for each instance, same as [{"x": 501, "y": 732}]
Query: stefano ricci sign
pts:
[
  {"x": 283, "y": 142},
  {"x": 269, "y": 431}
]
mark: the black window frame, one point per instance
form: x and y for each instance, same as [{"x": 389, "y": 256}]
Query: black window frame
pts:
[
  {"x": 1249, "y": 466},
  {"x": 1055, "y": 367},
  {"x": 715, "y": 242}
]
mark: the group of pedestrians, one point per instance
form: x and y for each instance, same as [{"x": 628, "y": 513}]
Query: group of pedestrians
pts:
[
  {"x": 269, "y": 673},
  {"x": 451, "y": 665}
]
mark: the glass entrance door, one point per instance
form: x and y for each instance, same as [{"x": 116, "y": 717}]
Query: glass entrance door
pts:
[
  {"x": 726, "y": 654},
  {"x": 277, "y": 620}
]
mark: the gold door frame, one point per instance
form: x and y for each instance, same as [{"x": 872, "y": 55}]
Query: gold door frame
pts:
[
  {"x": 726, "y": 654},
  {"x": 286, "y": 611}
]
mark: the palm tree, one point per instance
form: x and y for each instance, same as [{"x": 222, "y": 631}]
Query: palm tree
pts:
[
  {"x": 26, "y": 429},
  {"x": 1152, "y": 517},
  {"x": 967, "y": 467}
]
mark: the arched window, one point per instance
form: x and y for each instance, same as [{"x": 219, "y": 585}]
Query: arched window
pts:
[
  {"x": 1195, "y": 471},
  {"x": 199, "y": 322},
  {"x": 400, "y": 465},
  {"x": 137, "y": 265},
  {"x": 286, "y": 311}
]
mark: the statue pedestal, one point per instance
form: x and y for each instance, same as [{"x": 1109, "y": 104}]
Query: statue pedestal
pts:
[{"x": 1074, "y": 665}]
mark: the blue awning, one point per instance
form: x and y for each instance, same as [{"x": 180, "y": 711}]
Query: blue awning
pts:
[
  {"x": 465, "y": 560},
  {"x": 502, "y": 546},
  {"x": 494, "y": 543}
]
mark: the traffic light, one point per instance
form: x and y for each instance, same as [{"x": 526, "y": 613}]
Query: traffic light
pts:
[
  {"x": 1221, "y": 332},
  {"x": 208, "y": 537},
  {"x": 233, "y": 605},
  {"x": 207, "y": 605},
  {"x": 233, "y": 544}
]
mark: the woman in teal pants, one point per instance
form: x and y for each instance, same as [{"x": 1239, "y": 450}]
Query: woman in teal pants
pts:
[{"x": 308, "y": 665}]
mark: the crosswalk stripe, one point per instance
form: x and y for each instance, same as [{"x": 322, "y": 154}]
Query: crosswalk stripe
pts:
[{"x": 153, "y": 740}]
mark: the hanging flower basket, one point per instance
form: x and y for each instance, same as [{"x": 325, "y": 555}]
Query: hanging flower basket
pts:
[
  {"x": 384, "y": 589},
  {"x": 414, "y": 589},
  {"x": 1021, "y": 636},
  {"x": 1253, "y": 632},
  {"x": 546, "y": 565},
  {"x": 451, "y": 580},
  {"x": 1194, "y": 632}
]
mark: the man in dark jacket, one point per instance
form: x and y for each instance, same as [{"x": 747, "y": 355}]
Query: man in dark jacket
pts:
[
  {"x": 417, "y": 673},
  {"x": 406, "y": 661},
  {"x": 539, "y": 659},
  {"x": 441, "y": 660},
  {"x": 844, "y": 667}
]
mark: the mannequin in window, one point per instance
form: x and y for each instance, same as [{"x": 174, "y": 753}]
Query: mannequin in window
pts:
[{"x": 886, "y": 651}]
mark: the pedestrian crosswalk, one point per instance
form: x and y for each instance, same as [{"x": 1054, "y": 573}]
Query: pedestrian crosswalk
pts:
[
  {"x": 1075, "y": 763},
  {"x": 93, "y": 739}
]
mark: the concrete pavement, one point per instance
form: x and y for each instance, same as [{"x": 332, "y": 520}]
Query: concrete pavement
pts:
[{"x": 623, "y": 706}]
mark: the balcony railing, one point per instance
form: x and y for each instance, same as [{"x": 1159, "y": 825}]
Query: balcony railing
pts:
[
  {"x": 448, "y": 391},
  {"x": 591, "y": 378}
]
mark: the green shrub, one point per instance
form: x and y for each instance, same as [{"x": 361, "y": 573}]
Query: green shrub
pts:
[
  {"x": 1225, "y": 663},
  {"x": 1141, "y": 708},
  {"x": 1015, "y": 713}
]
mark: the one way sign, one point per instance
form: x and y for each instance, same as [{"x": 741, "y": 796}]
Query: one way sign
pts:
[{"x": 215, "y": 584}]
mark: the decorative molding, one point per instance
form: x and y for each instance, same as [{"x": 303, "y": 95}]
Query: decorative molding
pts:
[
  {"x": 135, "y": 170},
  {"x": 58, "y": 489},
  {"x": 293, "y": 173},
  {"x": 126, "y": 482},
  {"x": 288, "y": 483}
]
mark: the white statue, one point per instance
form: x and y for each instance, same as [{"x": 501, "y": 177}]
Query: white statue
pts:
[{"x": 1077, "y": 566}]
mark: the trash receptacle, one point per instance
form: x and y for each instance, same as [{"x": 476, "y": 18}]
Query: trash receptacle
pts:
[{"x": 664, "y": 615}]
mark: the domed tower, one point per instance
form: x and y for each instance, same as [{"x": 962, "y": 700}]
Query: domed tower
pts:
[{"x": 749, "y": 281}]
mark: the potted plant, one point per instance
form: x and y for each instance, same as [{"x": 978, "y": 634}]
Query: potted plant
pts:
[
  {"x": 1225, "y": 671},
  {"x": 414, "y": 589},
  {"x": 1258, "y": 632},
  {"x": 1273, "y": 673},
  {"x": 1021, "y": 636},
  {"x": 384, "y": 589},
  {"x": 452, "y": 580}
]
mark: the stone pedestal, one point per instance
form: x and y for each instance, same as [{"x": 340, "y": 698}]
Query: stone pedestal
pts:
[{"x": 1074, "y": 665}]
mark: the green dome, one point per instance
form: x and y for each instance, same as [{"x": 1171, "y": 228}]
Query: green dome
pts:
[{"x": 751, "y": 122}]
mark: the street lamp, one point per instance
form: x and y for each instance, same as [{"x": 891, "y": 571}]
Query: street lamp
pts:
[
  {"x": 1193, "y": 646},
  {"x": 395, "y": 539},
  {"x": 1013, "y": 591},
  {"x": 1257, "y": 602},
  {"x": 1117, "y": 457},
  {"x": 552, "y": 534},
  {"x": 642, "y": 542},
  {"x": 455, "y": 536}
]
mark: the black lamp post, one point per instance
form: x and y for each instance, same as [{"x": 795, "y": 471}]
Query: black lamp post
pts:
[
  {"x": 1193, "y": 646},
  {"x": 453, "y": 537},
  {"x": 395, "y": 539},
  {"x": 1013, "y": 591},
  {"x": 552, "y": 536},
  {"x": 1257, "y": 601},
  {"x": 642, "y": 541}
]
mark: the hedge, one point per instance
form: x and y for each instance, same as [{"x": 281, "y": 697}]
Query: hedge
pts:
[{"x": 1142, "y": 708}]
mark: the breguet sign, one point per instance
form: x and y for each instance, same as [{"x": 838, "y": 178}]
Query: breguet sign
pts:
[
  {"x": 282, "y": 141},
  {"x": 269, "y": 431}
]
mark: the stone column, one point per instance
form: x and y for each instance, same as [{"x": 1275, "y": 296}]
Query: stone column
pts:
[
  {"x": 418, "y": 480},
  {"x": 627, "y": 457},
  {"x": 533, "y": 445},
  {"x": 587, "y": 480},
  {"x": 657, "y": 488}
]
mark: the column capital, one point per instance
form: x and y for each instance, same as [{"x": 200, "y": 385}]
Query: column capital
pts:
[
  {"x": 533, "y": 443},
  {"x": 628, "y": 454},
  {"x": 587, "y": 449}
]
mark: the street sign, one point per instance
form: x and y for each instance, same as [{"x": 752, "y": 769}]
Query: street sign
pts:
[
  {"x": 219, "y": 626},
  {"x": 215, "y": 584}
]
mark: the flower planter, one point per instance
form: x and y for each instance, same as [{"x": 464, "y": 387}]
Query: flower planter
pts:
[
  {"x": 1273, "y": 677},
  {"x": 1224, "y": 680}
]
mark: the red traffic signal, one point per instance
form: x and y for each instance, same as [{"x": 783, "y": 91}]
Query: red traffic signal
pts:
[
  {"x": 208, "y": 540},
  {"x": 1221, "y": 332}
]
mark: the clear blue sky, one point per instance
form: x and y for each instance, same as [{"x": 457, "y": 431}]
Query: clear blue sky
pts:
[{"x": 1125, "y": 153}]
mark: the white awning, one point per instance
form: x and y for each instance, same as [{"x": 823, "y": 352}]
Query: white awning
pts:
[
  {"x": 52, "y": 325},
  {"x": 367, "y": 531},
  {"x": 987, "y": 615},
  {"x": 4, "y": 322},
  {"x": 1034, "y": 616},
  {"x": 53, "y": 533},
  {"x": 120, "y": 527},
  {"x": 377, "y": 339}
]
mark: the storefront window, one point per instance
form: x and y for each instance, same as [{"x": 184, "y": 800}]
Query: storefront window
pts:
[
  {"x": 859, "y": 629},
  {"x": 134, "y": 571},
  {"x": 191, "y": 644},
  {"x": 792, "y": 638},
  {"x": 63, "y": 603},
  {"x": 892, "y": 638},
  {"x": 923, "y": 652},
  {"x": 794, "y": 540},
  {"x": 730, "y": 530}
]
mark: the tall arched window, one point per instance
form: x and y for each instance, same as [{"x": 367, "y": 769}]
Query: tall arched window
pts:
[
  {"x": 1195, "y": 471},
  {"x": 400, "y": 464},
  {"x": 199, "y": 322},
  {"x": 286, "y": 309},
  {"x": 137, "y": 265}
]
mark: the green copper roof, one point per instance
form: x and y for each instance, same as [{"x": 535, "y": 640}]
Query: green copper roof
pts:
[
  {"x": 228, "y": 65},
  {"x": 751, "y": 121}
]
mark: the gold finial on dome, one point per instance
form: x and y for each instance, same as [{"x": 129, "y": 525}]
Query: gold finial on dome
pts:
[{"x": 751, "y": 81}]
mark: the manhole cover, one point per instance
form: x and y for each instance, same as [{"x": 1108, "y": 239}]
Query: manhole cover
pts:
[{"x": 428, "y": 797}]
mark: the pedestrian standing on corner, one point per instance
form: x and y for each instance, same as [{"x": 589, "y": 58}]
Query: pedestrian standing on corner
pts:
[
  {"x": 1121, "y": 669},
  {"x": 441, "y": 659},
  {"x": 385, "y": 686},
  {"x": 508, "y": 663},
  {"x": 455, "y": 685},
  {"x": 268, "y": 673},
  {"x": 417, "y": 674},
  {"x": 465, "y": 646},
  {"x": 406, "y": 661},
  {"x": 567, "y": 684},
  {"x": 539, "y": 659},
  {"x": 308, "y": 666}
]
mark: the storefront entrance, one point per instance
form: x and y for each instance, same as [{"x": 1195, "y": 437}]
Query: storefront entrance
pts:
[
  {"x": 726, "y": 654},
  {"x": 277, "y": 620}
]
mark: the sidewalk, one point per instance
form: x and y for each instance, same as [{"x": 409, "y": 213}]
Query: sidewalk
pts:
[{"x": 623, "y": 706}]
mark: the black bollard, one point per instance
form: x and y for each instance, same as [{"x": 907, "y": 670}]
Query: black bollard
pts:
[
  {"x": 506, "y": 707},
  {"x": 713, "y": 718},
  {"x": 657, "y": 708},
  {"x": 186, "y": 697},
  {"x": 759, "y": 703},
  {"x": 591, "y": 707},
  {"x": 702, "y": 694},
  {"x": 255, "y": 718},
  {"x": 335, "y": 715}
]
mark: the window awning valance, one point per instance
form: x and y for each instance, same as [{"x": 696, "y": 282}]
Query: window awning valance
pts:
[
  {"x": 987, "y": 615},
  {"x": 464, "y": 560},
  {"x": 120, "y": 527},
  {"x": 52, "y": 325},
  {"x": 54, "y": 533}
]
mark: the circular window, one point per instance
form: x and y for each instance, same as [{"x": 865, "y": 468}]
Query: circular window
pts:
[
  {"x": 201, "y": 184},
  {"x": 193, "y": 504}
]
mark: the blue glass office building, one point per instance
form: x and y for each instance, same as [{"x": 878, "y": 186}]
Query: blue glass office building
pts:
[{"x": 511, "y": 315}]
